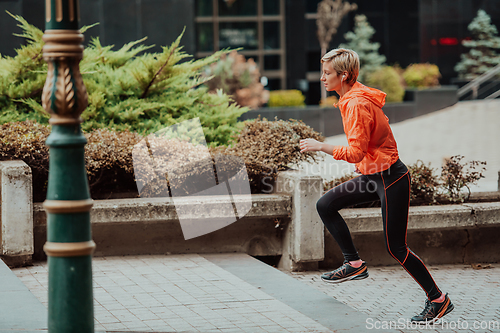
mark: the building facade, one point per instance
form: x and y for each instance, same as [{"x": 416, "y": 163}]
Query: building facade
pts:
[{"x": 280, "y": 35}]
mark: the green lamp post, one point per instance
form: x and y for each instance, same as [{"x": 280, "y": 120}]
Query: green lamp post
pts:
[{"x": 69, "y": 245}]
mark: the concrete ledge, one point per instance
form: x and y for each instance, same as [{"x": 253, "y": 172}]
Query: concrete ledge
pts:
[
  {"x": 151, "y": 226},
  {"x": 470, "y": 215},
  {"x": 163, "y": 209}
]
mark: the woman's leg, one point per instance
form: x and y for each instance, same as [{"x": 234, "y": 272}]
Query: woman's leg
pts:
[
  {"x": 395, "y": 205},
  {"x": 354, "y": 191}
]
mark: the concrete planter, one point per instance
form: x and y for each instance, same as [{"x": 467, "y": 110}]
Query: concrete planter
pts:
[{"x": 283, "y": 224}]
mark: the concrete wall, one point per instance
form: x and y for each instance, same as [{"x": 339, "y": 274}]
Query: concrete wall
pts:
[
  {"x": 16, "y": 216},
  {"x": 151, "y": 226}
]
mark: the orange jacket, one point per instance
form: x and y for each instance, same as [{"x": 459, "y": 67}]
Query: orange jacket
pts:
[{"x": 371, "y": 143}]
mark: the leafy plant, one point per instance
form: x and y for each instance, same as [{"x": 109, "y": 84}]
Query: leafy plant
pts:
[
  {"x": 457, "y": 176},
  {"x": 428, "y": 188},
  {"x": 424, "y": 184},
  {"x": 421, "y": 75},
  {"x": 239, "y": 78},
  {"x": 388, "y": 80},
  {"x": 280, "y": 98},
  {"x": 129, "y": 89}
]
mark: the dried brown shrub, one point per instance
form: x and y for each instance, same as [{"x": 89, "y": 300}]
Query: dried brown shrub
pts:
[
  {"x": 162, "y": 162},
  {"x": 264, "y": 147},
  {"x": 26, "y": 141},
  {"x": 107, "y": 156},
  {"x": 268, "y": 147},
  {"x": 108, "y": 159}
]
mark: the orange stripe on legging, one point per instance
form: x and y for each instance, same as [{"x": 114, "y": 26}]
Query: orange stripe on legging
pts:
[
  {"x": 387, "y": 239},
  {"x": 396, "y": 180}
]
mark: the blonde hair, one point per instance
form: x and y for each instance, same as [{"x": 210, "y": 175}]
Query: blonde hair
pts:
[{"x": 344, "y": 60}]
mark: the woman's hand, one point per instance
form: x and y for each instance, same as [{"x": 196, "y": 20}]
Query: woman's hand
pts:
[{"x": 310, "y": 145}]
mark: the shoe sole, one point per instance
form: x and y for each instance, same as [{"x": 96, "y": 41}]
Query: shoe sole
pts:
[{"x": 349, "y": 278}]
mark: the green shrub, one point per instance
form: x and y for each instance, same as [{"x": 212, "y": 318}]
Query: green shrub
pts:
[
  {"x": 128, "y": 89},
  {"x": 279, "y": 98},
  {"x": 422, "y": 75},
  {"x": 388, "y": 80}
]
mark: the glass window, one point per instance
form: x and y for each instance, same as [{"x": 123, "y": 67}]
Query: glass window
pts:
[
  {"x": 238, "y": 34},
  {"x": 271, "y": 35},
  {"x": 272, "y": 62},
  {"x": 312, "y": 6},
  {"x": 271, "y": 7},
  {"x": 204, "y": 8},
  {"x": 273, "y": 84},
  {"x": 205, "y": 37},
  {"x": 238, "y": 7},
  {"x": 314, "y": 61}
]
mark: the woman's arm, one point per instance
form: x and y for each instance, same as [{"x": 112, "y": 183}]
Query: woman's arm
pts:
[{"x": 313, "y": 145}]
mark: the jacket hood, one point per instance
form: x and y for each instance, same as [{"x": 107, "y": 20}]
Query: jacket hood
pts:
[{"x": 375, "y": 96}]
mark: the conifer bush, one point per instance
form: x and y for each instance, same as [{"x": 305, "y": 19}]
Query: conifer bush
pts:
[
  {"x": 483, "y": 48},
  {"x": 359, "y": 41},
  {"x": 129, "y": 89}
]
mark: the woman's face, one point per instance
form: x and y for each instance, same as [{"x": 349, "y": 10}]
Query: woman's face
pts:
[{"x": 330, "y": 78}]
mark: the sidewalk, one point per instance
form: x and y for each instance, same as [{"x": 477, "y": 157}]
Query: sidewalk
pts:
[
  {"x": 194, "y": 293},
  {"x": 237, "y": 293}
]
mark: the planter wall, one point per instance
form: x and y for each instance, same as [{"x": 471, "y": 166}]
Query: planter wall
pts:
[{"x": 329, "y": 122}]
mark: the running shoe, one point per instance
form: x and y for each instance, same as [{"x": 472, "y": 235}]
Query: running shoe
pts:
[
  {"x": 433, "y": 311},
  {"x": 345, "y": 273}
]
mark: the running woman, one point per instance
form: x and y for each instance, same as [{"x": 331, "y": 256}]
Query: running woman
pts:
[{"x": 373, "y": 149}]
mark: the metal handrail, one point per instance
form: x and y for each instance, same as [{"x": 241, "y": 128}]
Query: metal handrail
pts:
[{"x": 474, "y": 84}]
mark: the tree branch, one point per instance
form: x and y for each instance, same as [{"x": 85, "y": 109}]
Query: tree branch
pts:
[{"x": 158, "y": 73}]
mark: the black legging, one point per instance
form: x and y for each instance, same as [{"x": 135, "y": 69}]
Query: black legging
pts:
[{"x": 392, "y": 188}]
